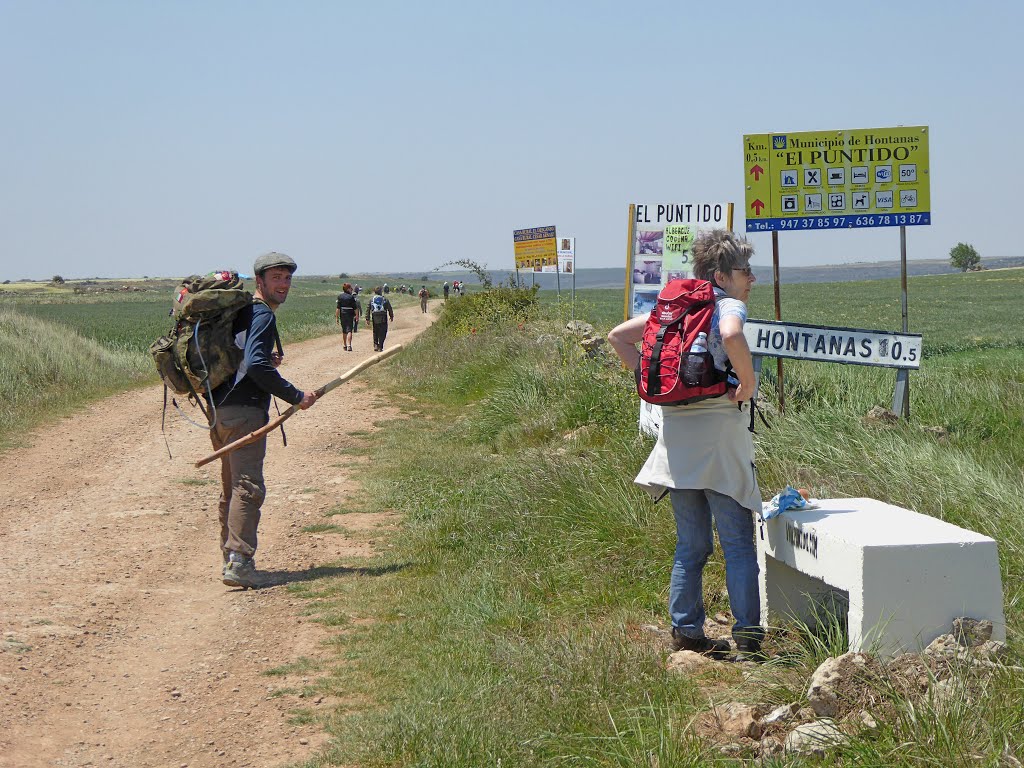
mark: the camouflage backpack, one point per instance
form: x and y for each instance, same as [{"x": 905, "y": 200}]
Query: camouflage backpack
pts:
[{"x": 199, "y": 352}]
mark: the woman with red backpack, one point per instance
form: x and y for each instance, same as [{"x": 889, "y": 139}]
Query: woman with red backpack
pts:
[{"x": 704, "y": 459}]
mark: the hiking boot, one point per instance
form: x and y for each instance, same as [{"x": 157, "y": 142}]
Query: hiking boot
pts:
[
  {"x": 749, "y": 649},
  {"x": 242, "y": 573},
  {"x": 716, "y": 649}
]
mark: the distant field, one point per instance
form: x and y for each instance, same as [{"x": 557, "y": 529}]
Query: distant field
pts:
[
  {"x": 130, "y": 321},
  {"x": 993, "y": 296}
]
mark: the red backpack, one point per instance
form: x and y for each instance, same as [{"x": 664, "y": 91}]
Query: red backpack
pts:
[{"x": 672, "y": 371}]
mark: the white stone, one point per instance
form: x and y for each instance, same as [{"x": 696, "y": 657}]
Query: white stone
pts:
[
  {"x": 905, "y": 576},
  {"x": 814, "y": 738}
]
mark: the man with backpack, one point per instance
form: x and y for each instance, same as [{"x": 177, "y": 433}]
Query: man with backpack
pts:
[
  {"x": 704, "y": 455},
  {"x": 378, "y": 312},
  {"x": 346, "y": 314},
  {"x": 445, "y": 289},
  {"x": 242, "y": 405},
  {"x": 424, "y": 295}
]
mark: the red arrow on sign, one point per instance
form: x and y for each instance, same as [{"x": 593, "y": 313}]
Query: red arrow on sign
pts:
[
  {"x": 757, "y": 170},
  {"x": 757, "y": 205}
]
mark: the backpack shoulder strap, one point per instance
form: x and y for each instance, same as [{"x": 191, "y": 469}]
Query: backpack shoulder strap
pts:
[{"x": 277, "y": 336}]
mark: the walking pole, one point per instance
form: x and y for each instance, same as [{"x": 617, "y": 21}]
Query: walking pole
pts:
[{"x": 252, "y": 437}]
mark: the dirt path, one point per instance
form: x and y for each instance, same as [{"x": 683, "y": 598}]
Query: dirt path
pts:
[{"x": 120, "y": 646}]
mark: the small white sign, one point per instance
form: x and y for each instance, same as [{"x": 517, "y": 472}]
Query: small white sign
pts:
[
  {"x": 812, "y": 177},
  {"x": 812, "y": 202},
  {"x": 883, "y": 174},
  {"x": 908, "y": 198},
  {"x": 836, "y": 175},
  {"x": 859, "y": 174},
  {"x": 884, "y": 199},
  {"x": 789, "y": 178},
  {"x": 836, "y": 201},
  {"x": 834, "y": 345},
  {"x": 908, "y": 172}
]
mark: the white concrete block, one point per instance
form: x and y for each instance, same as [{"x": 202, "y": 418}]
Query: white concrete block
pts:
[{"x": 904, "y": 576}]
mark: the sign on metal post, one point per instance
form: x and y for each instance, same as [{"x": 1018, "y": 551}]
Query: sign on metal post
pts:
[
  {"x": 535, "y": 248},
  {"x": 827, "y": 344},
  {"x": 814, "y": 180}
]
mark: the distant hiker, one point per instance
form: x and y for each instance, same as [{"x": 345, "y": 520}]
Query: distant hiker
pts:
[
  {"x": 378, "y": 312},
  {"x": 386, "y": 289},
  {"x": 346, "y": 314},
  {"x": 462, "y": 288},
  {"x": 243, "y": 406},
  {"x": 704, "y": 459},
  {"x": 424, "y": 295},
  {"x": 445, "y": 289},
  {"x": 359, "y": 313}
]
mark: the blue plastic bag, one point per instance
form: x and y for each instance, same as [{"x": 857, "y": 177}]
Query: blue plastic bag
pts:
[{"x": 789, "y": 498}]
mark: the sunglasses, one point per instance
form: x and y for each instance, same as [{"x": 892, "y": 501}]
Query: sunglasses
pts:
[{"x": 748, "y": 271}]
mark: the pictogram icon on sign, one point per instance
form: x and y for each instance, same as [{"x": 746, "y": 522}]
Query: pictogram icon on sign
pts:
[
  {"x": 757, "y": 170},
  {"x": 883, "y": 173},
  {"x": 836, "y": 175},
  {"x": 859, "y": 174},
  {"x": 757, "y": 205},
  {"x": 836, "y": 201},
  {"x": 812, "y": 177},
  {"x": 778, "y": 142},
  {"x": 789, "y": 178},
  {"x": 908, "y": 172},
  {"x": 908, "y": 198},
  {"x": 789, "y": 204},
  {"x": 861, "y": 201},
  {"x": 812, "y": 203},
  {"x": 884, "y": 199}
]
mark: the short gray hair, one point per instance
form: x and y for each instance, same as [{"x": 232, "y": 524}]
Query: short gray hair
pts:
[{"x": 720, "y": 250}]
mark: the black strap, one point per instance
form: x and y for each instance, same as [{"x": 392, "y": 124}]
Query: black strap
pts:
[{"x": 654, "y": 367}]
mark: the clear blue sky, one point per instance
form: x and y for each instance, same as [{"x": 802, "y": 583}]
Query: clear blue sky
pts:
[{"x": 162, "y": 138}]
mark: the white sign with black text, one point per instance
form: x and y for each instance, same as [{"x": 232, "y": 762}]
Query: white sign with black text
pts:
[{"x": 833, "y": 345}]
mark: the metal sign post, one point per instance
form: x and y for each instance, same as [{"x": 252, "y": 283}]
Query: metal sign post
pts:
[{"x": 778, "y": 315}]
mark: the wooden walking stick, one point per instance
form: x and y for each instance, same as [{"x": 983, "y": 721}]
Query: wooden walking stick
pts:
[{"x": 252, "y": 437}]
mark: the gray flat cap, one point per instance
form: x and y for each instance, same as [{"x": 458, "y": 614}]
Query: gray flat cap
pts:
[{"x": 273, "y": 259}]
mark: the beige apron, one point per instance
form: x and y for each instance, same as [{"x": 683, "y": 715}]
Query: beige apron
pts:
[{"x": 704, "y": 445}]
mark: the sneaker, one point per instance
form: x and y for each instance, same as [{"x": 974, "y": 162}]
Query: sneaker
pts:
[
  {"x": 242, "y": 573},
  {"x": 716, "y": 649}
]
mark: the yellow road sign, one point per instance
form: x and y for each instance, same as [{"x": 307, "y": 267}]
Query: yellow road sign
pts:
[{"x": 813, "y": 180}]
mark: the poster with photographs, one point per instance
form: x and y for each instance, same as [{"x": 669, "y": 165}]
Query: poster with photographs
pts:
[
  {"x": 663, "y": 235},
  {"x": 566, "y": 255}
]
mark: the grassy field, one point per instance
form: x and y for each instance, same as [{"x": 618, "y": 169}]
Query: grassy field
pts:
[{"x": 505, "y": 617}]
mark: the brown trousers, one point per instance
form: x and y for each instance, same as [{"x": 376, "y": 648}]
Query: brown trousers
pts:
[{"x": 241, "y": 477}]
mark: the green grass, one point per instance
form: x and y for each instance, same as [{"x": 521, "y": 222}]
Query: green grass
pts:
[
  {"x": 505, "y": 616},
  {"x": 501, "y": 624}
]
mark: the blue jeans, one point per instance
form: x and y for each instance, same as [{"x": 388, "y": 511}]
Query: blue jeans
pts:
[{"x": 693, "y": 511}]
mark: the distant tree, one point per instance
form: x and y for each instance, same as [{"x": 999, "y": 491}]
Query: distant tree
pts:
[
  {"x": 424, "y": 278},
  {"x": 343, "y": 276},
  {"x": 57, "y": 280},
  {"x": 964, "y": 257}
]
